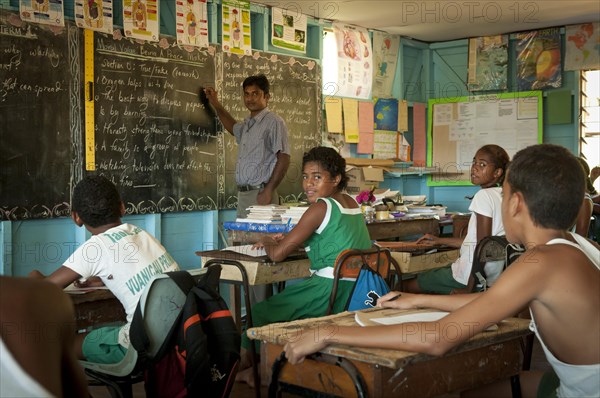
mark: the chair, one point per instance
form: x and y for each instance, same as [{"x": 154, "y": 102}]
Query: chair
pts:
[
  {"x": 160, "y": 305},
  {"x": 349, "y": 262},
  {"x": 489, "y": 249},
  {"x": 347, "y": 265}
]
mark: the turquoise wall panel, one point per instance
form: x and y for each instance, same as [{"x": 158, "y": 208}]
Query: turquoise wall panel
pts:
[{"x": 41, "y": 244}]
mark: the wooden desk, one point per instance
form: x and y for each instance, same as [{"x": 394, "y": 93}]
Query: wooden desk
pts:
[
  {"x": 260, "y": 270},
  {"x": 402, "y": 228},
  {"x": 411, "y": 264},
  {"x": 487, "y": 357},
  {"x": 391, "y": 229},
  {"x": 96, "y": 308},
  {"x": 412, "y": 257}
]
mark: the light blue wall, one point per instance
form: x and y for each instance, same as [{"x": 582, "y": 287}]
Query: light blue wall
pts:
[
  {"x": 423, "y": 71},
  {"x": 446, "y": 65}
]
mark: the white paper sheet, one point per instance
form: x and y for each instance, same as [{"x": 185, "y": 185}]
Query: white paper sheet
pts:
[{"x": 395, "y": 320}]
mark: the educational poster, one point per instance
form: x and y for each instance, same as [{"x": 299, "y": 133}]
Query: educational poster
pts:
[
  {"x": 94, "y": 15},
  {"x": 140, "y": 19},
  {"x": 538, "y": 59},
  {"x": 488, "y": 63},
  {"x": 386, "y": 114},
  {"x": 385, "y": 57},
  {"x": 583, "y": 46},
  {"x": 288, "y": 29},
  {"x": 460, "y": 126},
  {"x": 236, "y": 27},
  {"x": 192, "y": 23},
  {"x": 42, "y": 11},
  {"x": 385, "y": 145},
  {"x": 355, "y": 61}
]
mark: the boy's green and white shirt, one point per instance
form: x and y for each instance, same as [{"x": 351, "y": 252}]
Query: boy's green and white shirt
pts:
[{"x": 125, "y": 258}]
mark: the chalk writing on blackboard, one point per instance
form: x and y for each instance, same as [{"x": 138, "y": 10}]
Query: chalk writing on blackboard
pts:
[
  {"x": 37, "y": 112},
  {"x": 153, "y": 136}
]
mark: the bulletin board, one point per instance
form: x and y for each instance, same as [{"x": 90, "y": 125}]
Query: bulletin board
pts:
[{"x": 459, "y": 126}]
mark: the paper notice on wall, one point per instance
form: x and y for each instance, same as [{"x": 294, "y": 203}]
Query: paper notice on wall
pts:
[
  {"x": 365, "y": 143},
  {"x": 350, "y": 120},
  {"x": 288, "y": 29},
  {"x": 140, "y": 19},
  {"x": 236, "y": 27},
  {"x": 419, "y": 135},
  {"x": 402, "y": 115},
  {"x": 94, "y": 15},
  {"x": 385, "y": 145},
  {"x": 42, "y": 11},
  {"x": 385, "y": 56},
  {"x": 333, "y": 113},
  {"x": 192, "y": 23}
]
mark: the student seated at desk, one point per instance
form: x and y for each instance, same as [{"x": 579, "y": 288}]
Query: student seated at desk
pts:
[
  {"x": 558, "y": 278},
  {"x": 332, "y": 223},
  {"x": 121, "y": 256},
  {"x": 37, "y": 329},
  {"x": 487, "y": 171}
]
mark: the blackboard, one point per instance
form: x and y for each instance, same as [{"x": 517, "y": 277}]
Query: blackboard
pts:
[
  {"x": 39, "y": 111},
  {"x": 150, "y": 134},
  {"x": 153, "y": 137},
  {"x": 295, "y": 96}
]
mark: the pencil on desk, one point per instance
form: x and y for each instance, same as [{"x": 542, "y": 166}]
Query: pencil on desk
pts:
[{"x": 395, "y": 297}]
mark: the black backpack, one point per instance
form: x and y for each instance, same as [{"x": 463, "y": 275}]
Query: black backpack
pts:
[{"x": 202, "y": 353}]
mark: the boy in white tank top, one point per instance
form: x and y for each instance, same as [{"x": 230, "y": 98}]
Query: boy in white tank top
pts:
[{"x": 558, "y": 277}]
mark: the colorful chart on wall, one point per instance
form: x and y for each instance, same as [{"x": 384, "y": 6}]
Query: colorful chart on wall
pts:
[{"x": 460, "y": 126}]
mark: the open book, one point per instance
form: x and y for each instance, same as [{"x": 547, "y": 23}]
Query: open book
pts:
[
  {"x": 374, "y": 318},
  {"x": 247, "y": 250},
  {"x": 363, "y": 318}
]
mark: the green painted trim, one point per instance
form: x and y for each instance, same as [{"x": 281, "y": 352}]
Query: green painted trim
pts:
[{"x": 473, "y": 98}]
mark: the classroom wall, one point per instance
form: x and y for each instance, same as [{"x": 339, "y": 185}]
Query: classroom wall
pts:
[
  {"x": 447, "y": 72},
  {"x": 424, "y": 71}
]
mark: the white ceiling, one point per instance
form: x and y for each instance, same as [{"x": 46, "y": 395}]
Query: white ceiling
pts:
[{"x": 442, "y": 20}]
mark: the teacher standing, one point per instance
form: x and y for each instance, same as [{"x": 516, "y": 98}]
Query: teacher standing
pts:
[{"x": 263, "y": 146}]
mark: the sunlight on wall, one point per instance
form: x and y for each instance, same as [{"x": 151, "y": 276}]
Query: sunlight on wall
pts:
[{"x": 590, "y": 128}]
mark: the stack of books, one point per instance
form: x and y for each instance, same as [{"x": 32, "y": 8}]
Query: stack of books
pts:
[{"x": 267, "y": 214}]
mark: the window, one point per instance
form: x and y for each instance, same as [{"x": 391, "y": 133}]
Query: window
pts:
[{"x": 590, "y": 119}]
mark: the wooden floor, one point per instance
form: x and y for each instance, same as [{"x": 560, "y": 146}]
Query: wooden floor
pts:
[{"x": 240, "y": 390}]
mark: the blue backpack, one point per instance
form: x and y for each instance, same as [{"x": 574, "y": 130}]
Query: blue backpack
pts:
[{"x": 369, "y": 286}]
